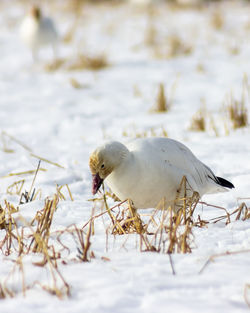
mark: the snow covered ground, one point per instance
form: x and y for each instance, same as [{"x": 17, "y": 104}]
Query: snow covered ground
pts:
[{"x": 201, "y": 56}]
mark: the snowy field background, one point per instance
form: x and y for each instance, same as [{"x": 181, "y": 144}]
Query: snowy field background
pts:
[{"x": 44, "y": 114}]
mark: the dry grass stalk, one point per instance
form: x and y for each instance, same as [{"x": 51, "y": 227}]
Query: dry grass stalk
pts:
[
  {"x": 240, "y": 213},
  {"x": 34, "y": 241},
  {"x": 237, "y": 109},
  {"x": 16, "y": 187},
  {"x": 137, "y": 222},
  {"x": 161, "y": 102},
  {"x": 217, "y": 20},
  {"x": 8, "y": 224},
  {"x": 30, "y": 195},
  {"x": 246, "y": 292},
  {"x": 23, "y": 173},
  {"x": 164, "y": 103},
  {"x": 172, "y": 233},
  {"x": 83, "y": 62},
  {"x": 152, "y": 132},
  {"x": 55, "y": 65},
  {"x": 5, "y": 148},
  {"x": 198, "y": 121},
  {"x": 40, "y": 243},
  {"x": 214, "y": 256},
  {"x": 102, "y": 213},
  {"x": 44, "y": 218},
  {"x": 80, "y": 62},
  {"x": 5, "y": 292},
  {"x": 126, "y": 220},
  {"x": 12, "y": 138},
  {"x": 214, "y": 127},
  {"x": 177, "y": 47},
  {"x": 46, "y": 160},
  {"x": 61, "y": 195},
  {"x": 237, "y": 113},
  {"x": 84, "y": 249},
  {"x": 151, "y": 31},
  {"x": 75, "y": 83}
]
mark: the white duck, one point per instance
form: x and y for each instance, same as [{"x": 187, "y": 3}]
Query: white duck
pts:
[
  {"x": 37, "y": 31},
  {"x": 150, "y": 170}
]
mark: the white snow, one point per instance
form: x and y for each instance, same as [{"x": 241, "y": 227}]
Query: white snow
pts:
[{"x": 43, "y": 112}]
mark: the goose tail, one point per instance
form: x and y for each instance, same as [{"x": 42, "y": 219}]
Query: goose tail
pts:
[{"x": 224, "y": 183}]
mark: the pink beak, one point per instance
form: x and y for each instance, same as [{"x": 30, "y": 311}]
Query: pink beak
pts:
[{"x": 96, "y": 183}]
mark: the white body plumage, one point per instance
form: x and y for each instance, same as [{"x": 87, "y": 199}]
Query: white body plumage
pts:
[{"x": 149, "y": 170}]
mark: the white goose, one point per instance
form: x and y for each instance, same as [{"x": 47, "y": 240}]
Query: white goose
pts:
[
  {"x": 149, "y": 170},
  {"x": 37, "y": 31}
]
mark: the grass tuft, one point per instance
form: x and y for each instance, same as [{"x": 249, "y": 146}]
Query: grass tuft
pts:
[
  {"x": 151, "y": 132},
  {"x": 198, "y": 121},
  {"x": 217, "y": 20},
  {"x": 237, "y": 112},
  {"x": 177, "y": 47},
  {"x": 83, "y": 62},
  {"x": 163, "y": 103},
  {"x": 78, "y": 63}
]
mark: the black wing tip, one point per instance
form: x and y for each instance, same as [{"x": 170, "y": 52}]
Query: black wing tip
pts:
[{"x": 225, "y": 183}]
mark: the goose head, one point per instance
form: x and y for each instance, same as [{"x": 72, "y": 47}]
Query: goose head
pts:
[{"x": 104, "y": 160}]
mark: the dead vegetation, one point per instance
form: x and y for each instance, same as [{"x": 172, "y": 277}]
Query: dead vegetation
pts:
[
  {"x": 37, "y": 238},
  {"x": 133, "y": 132},
  {"x": 213, "y": 257},
  {"x": 217, "y": 20},
  {"x": 203, "y": 121},
  {"x": 166, "y": 230},
  {"x": 161, "y": 102},
  {"x": 237, "y": 112},
  {"x": 164, "y": 101},
  {"x": 78, "y": 63},
  {"x": 198, "y": 121},
  {"x": 242, "y": 212},
  {"x": 177, "y": 47},
  {"x": 171, "y": 48},
  {"x": 247, "y": 294},
  {"x": 234, "y": 113}
]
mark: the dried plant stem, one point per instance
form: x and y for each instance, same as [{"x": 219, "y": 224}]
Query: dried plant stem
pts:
[
  {"x": 46, "y": 160},
  {"x": 23, "y": 173},
  {"x": 135, "y": 217},
  {"x": 33, "y": 181},
  {"x": 246, "y": 289},
  {"x": 171, "y": 263},
  {"x": 214, "y": 256},
  {"x": 16, "y": 141}
]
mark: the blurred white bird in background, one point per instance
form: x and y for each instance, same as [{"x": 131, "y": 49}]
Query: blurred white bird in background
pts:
[{"x": 37, "y": 31}]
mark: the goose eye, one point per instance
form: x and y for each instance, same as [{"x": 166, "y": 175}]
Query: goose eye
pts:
[{"x": 102, "y": 166}]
